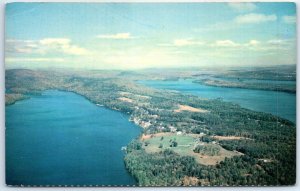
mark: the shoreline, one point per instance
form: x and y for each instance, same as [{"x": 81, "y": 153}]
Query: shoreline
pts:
[
  {"x": 224, "y": 99},
  {"x": 245, "y": 87},
  {"x": 28, "y": 96}
]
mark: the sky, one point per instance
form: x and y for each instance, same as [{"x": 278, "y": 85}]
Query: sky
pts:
[{"x": 149, "y": 35}]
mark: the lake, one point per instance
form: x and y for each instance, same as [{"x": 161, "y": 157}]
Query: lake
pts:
[
  {"x": 60, "y": 138},
  {"x": 277, "y": 103}
]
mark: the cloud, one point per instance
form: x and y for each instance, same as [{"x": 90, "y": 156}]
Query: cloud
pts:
[
  {"x": 254, "y": 18},
  {"x": 271, "y": 46},
  {"x": 289, "y": 19},
  {"x": 208, "y": 44},
  {"x": 275, "y": 41},
  {"x": 243, "y": 7},
  {"x": 20, "y": 46},
  {"x": 55, "y": 41},
  {"x": 45, "y": 46},
  {"x": 280, "y": 41},
  {"x": 186, "y": 42},
  {"x": 225, "y": 43},
  {"x": 62, "y": 45},
  {"x": 12, "y": 60},
  {"x": 182, "y": 43},
  {"x": 253, "y": 43},
  {"x": 116, "y": 36},
  {"x": 222, "y": 46}
]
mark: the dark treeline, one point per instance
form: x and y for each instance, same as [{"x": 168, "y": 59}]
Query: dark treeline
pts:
[{"x": 168, "y": 168}]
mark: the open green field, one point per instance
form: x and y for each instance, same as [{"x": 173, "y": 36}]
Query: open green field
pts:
[{"x": 186, "y": 143}]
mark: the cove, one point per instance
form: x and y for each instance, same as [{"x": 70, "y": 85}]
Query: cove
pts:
[
  {"x": 281, "y": 104},
  {"x": 60, "y": 138}
]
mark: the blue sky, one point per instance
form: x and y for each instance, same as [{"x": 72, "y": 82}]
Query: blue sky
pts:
[{"x": 143, "y": 35}]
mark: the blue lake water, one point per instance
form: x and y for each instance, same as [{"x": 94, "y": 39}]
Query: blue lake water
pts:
[
  {"x": 278, "y": 103},
  {"x": 60, "y": 138}
]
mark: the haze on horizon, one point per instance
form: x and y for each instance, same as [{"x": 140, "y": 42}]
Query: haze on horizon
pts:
[{"x": 149, "y": 35}]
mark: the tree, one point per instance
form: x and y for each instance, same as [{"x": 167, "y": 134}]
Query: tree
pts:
[
  {"x": 147, "y": 143},
  {"x": 174, "y": 144}
]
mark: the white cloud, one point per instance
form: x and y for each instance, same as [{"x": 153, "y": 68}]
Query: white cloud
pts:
[
  {"x": 53, "y": 41},
  {"x": 273, "y": 45},
  {"x": 228, "y": 45},
  {"x": 186, "y": 42},
  {"x": 183, "y": 42},
  {"x": 75, "y": 50},
  {"x": 243, "y": 7},
  {"x": 275, "y": 41},
  {"x": 253, "y": 43},
  {"x": 280, "y": 41},
  {"x": 12, "y": 60},
  {"x": 52, "y": 52},
  {"x": 116, "y": 36},
  {"x": 289, "y": 19},
  {"x": 45, "y": 46},
  {"x": 62, "y": 45},
  {"x": 225, "y": 43},
  {"x": 254, "y": 18},
  {"x": 20, "y": 46}
]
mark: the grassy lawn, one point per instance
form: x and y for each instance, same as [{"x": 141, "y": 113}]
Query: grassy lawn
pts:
[
  {"x": 185, "y": 147},
  {"x": 185, "y": 144}
]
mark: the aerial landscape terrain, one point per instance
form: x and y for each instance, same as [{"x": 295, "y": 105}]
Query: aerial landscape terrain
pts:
[
  {"x": 150, "y": 107},
  {"x": 201, "y": 141}
]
